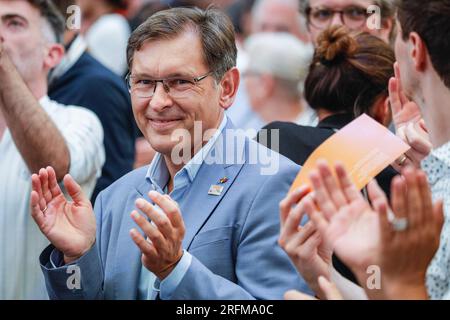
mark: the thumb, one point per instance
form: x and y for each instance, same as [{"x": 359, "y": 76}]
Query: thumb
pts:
[
  {"x": 75, "y": 191},
  {"x": 296, "y": 295},
  {"x": 329, "y": 289}
]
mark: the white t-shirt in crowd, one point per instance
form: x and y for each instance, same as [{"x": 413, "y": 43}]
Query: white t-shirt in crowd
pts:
[
  {"x": 21, "y": 241},
  {"x": 107, "y": 41}
]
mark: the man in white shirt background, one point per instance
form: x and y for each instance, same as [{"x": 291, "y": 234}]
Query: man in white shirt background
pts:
[
  {"x": 275, "y": 76},
  {"x": 36, "y": 133},
  {"x": 106, "y": 32}
]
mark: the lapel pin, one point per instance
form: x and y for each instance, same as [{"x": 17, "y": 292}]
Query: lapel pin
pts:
[
  {"x": 215, "y": 190},
  {"x": 223, "y": 180}
]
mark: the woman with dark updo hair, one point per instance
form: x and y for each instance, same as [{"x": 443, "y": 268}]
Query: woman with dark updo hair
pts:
[{"x": 349, "y": 76}]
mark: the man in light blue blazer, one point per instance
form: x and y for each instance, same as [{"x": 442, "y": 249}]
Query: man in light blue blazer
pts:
[{"x": 201, "y": 222}]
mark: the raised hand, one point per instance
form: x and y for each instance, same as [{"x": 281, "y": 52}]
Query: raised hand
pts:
[
  {"x": 304, "y": 245},
  {"x": 405, "y": 255},
  {"x": 69, "y": 226},
  {"x": 162, "y": 250},
  {"x": 404, "y": 111},
  {"x": 346, "y": 221},
  {"x": 364, "y": 235},
  {"x": 409, "y": 125}
]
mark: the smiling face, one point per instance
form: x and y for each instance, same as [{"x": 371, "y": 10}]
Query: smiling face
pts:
[{"x": 158, "y": 117}]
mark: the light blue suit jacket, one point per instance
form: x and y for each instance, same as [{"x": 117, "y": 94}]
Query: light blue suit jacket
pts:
[{"x": 232, "y": 237}]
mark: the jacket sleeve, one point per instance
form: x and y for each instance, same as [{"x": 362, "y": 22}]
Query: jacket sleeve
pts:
[{"x": 80, "y": 280}]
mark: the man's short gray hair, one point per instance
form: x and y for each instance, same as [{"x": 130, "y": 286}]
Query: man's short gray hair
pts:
[{"x": 281, "y": 55}]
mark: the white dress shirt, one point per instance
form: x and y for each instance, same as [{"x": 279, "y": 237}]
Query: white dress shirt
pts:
[
  {"x": 20, "y": 239},
  {"x": 107, "y": 41}
]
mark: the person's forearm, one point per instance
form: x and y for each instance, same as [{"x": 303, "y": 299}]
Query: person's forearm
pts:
[{"x": 36, "y": 136}]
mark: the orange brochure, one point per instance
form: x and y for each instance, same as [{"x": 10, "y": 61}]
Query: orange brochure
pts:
[{"x": 364, "y": 147}]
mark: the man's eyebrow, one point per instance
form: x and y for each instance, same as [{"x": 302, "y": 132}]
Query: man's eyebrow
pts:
[
  {"x": 170, "y": 75},
  {"x": 10, "y": 16}
]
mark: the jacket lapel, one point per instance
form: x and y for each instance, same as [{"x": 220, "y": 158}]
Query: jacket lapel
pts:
[{"x": 197, "y": 204}]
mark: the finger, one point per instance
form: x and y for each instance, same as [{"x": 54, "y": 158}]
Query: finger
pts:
[
  {"x": 152, "y": 233},
  {"x": 296, "y": 295},
  {"x": 427, "y": 200},
  {"x": 293, "y": 220},
  {"x": 36, "y": 211},
  {"x": 75, "y": 191},
  {"x": 321, "y": 195},
  {"x": 398, "y": 197},
  {"x": 423, "y": 126},
  {"x": 419, "y": 141},
  {"x": 394, "y": 98},
  {"x": 160, "y": 220},
  {"x": 53, "y": 183},
  {"x": 311, "y": 243},
  {"x": 319, "y": 220},
  {"x": 43, "y": 176},
  {"x": 304, "y": 233},
  {"x": 376, "y": 194},
  {"x": 36, "y": 186},
  {"x": 169, "y": 207},
  {"x": 329, "y": 289},
  {"x": 403, "y": 98},
  {"x": 294, "y": 244},
  {"x": 332, "y": 186},
  {"x": 386, "y": 230},
  {"x": 350, "y": 191},
  {"x": 414, "y": 201},
  {"x": 291, "y": 199},
  {"x": 146, "y": 247}
]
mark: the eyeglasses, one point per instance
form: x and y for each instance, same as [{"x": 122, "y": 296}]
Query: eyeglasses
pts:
[
  {"x": 176, "y": 87},
  {"x": 354, "y": 17}
]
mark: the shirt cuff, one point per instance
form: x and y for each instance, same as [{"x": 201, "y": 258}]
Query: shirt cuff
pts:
[
  {"x": 56, "y": 259},
  {"x": 169, "y": 284}
]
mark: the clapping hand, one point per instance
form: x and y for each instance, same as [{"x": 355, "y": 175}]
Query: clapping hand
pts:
[{"x": 69, "y": 226}]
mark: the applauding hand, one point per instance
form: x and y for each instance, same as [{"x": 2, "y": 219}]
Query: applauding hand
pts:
[
  {"x": 69, "y": 226},
  {"x": 304, "y": 245}
]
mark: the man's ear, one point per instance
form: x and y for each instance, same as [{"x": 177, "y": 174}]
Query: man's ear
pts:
[
  {"x": 419, "y": 51},
  {"x": 229, "y": 87},
  {"x": 53, "y": 55}
]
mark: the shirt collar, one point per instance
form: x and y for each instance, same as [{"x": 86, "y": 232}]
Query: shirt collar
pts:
[
  {"x": 158, "y": 174},
  {"x": 73, "y": 54},
  {"x": 437, "y": 164}
]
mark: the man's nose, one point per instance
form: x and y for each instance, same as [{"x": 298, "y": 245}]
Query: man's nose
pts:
[
  {"x": 337, "y": 19},
  {"x": 161, "y": 98}
]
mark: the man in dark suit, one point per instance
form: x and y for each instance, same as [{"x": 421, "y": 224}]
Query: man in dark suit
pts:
[{"x": 81, "y": 80}]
